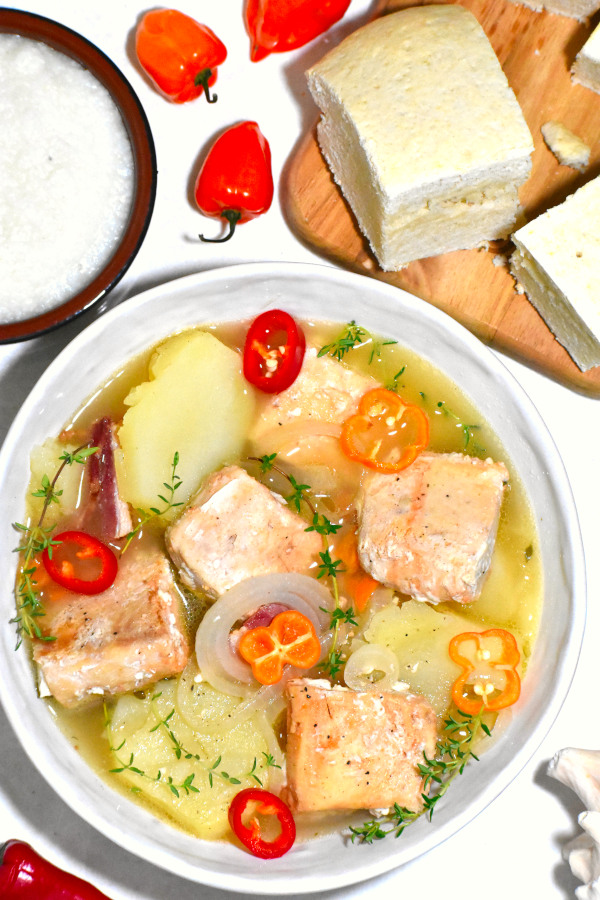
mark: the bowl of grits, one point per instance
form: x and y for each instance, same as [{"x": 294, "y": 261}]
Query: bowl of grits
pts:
[
  {"x": 155, "y": 753},
  {"x": 78, "y": 174}
]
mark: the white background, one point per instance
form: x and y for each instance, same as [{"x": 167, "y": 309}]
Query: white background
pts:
[{"x": 512, "y": 849}]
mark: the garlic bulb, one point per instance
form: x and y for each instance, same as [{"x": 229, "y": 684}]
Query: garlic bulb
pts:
[{"x": 580, "y": 771}]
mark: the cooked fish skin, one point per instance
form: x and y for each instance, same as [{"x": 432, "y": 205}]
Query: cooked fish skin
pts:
[
  {"x": 131, "y": 635},
  {"x": 355, "y": 749},
  {"x": 235, "y": 528},
  {"x": 429, "y": 530},
  {"x": 326, "y": 390}
]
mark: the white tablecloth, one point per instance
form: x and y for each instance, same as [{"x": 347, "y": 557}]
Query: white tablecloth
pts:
[{"x": 512, "y": 849}]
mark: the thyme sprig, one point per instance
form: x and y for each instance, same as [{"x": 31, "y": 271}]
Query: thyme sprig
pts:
[
  {"x": 328, "y": 567},
  {"x": 351, "y": 337},
  {"x": 169, "y": 503},
  {"x": 453, "y": 751},
  {"x": 37, "y": 539}
]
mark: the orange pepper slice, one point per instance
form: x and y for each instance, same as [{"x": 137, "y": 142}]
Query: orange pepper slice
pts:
[
  {"x": 489, "y": 678},
  {"x": 290, "y": 638},
  {"x": 387, "y": 433}
]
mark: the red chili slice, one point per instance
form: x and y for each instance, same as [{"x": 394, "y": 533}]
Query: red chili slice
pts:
[
  {"x": 273, "y": 352},
  {"x": 80, "y": 562},
  {"x": 243, "y": 812}
]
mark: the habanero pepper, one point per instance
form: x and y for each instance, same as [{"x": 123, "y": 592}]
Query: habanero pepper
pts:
[
  {"x": 275, "y": 26},
  {"x": 235, "y": 181},
  {"x": 179, "y": 54},
  {"x": 25, "y": 875},
  {"x": 387, "y": 433},
  {"x": 243, "y": 819},
  {"x": 289, "y": 639},
  {"x": 80, "y": 562},
  {"x": 489, "y": 679},
  {"x": 273, "y": 351}
]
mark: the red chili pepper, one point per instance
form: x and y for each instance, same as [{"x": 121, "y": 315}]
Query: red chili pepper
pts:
[
  {"x": 387, "y": 433},
  {"x": 273, "y": 351},
  {"x": 235, "y": 182},
  {"x": 25, "y": 875},
  {"x": 489, "y": 678},
  {"x": 243, "y": 812},
  {"x": 179, "y": 54},
  {"x": 276, "y": 26},
  {"x": 80, "y": 562}
]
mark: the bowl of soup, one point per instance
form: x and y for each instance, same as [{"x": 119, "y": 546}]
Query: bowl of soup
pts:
[
  {"x": 282, "y": 447},
  {"x": 79, "y": 174}
]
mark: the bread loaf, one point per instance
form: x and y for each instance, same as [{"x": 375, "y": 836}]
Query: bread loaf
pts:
[{"x": 422, "y": 133}]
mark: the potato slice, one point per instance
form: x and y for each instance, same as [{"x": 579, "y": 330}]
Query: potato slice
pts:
[
  {"x": 159, "y": 753},
  {"x": 196, "y": 403},
  {"x": 419, "y": 635}
]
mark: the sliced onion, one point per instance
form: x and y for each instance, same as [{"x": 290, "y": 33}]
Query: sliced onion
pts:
[
  {"x": 219, "y": 663},
  {"x": 372, "y": 667}
]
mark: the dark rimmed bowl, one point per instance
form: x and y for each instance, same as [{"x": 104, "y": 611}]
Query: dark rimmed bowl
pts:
[{"x": 138, "y": 129}]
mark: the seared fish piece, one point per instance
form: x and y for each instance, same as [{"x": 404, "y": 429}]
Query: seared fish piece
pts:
[
  {"x": 326, "y": 390},
  {"x": 130, "y": 635},
  {"x": 355, "y": 749},
  {"x": 235, "y": 528},
  {"x": 429, "y": 530}
]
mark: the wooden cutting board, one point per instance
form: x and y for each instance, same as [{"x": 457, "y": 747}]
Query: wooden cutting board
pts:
[{"x": 536, "y": 51}]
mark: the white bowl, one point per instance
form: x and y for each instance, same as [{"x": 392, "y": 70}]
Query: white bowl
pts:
[{"x": 318, "y": 292}]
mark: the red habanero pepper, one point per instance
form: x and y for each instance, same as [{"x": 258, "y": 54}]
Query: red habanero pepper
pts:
[
  {"x": 179, "y": 54},
  {"x": 273, "y": 351},
  {"x": 80, "y": 562},
  {"x": 243, "y": 820},
  {"x": 25, "y": 875},
  {"x": 235, "y": 181},
  {"x": 387, "y": 433},
  {"x": 276, "y": 26},
  {"x": 489, "y": 678}
]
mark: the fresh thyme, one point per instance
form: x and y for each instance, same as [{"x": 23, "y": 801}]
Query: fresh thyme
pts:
[
  {"x": 37, "y": 538},
  {"x": 453, "y": 752},
  {"x": 328, "y": 567},
  {"x": 168, "y": 500},
  {"x": 351, "y": 337}
]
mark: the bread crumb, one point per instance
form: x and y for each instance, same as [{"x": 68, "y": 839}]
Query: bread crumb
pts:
[{"x": 567, "y": 147}]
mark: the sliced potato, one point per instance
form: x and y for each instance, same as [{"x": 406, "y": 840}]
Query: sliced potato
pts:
[
  {"x": 419, "y": 635},
  {"x": 195, "y": 403},
  {"x": 189, "y": 777}
]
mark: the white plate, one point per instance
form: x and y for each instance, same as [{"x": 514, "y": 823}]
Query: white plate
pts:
[{"x": 317, "y": 292}]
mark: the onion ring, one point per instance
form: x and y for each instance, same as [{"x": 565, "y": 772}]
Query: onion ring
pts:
[
  {"x": 219, "y": 664},
  {"x": 372, "y": 667}
]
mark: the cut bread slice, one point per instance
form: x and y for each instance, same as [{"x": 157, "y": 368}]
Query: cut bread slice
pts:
[{"x": 557, "y": 263}]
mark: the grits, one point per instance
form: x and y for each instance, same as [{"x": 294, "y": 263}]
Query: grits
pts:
[{"x": 66, "y": 177}]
